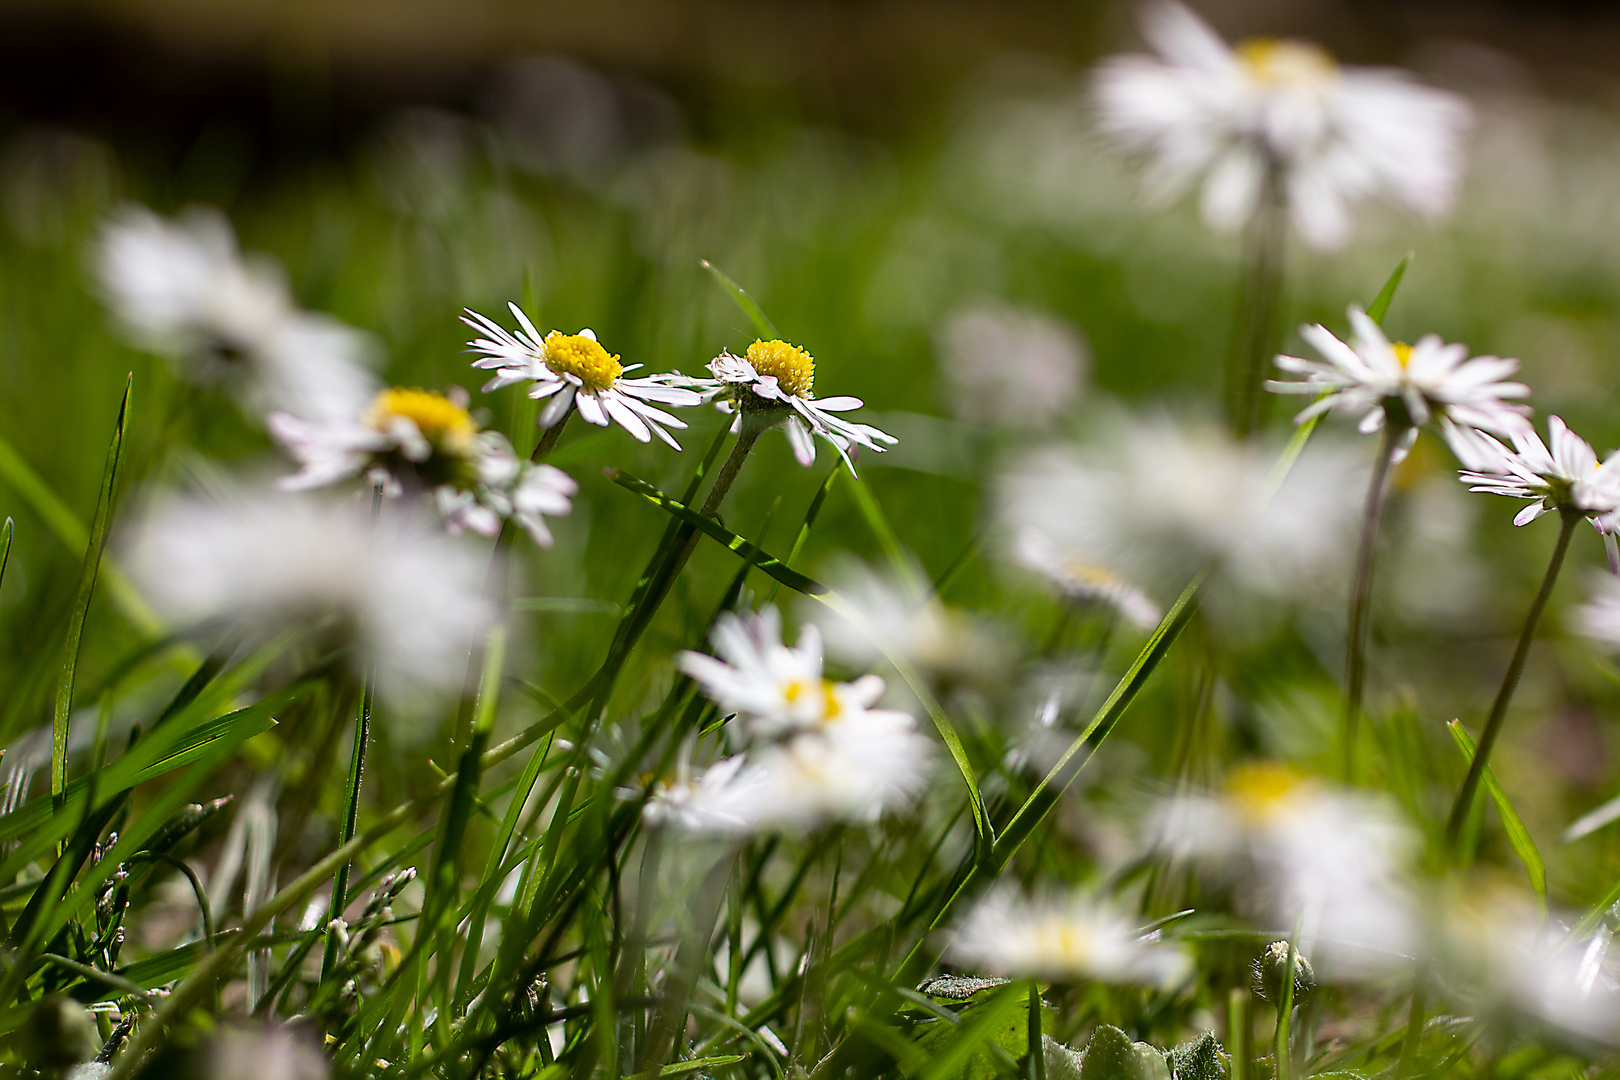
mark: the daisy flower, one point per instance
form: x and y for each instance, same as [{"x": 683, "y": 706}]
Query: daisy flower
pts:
[
  {"x": 258, "y": 561},
  {"x": 575, "y": 370},
  {"x": 1599, "y": 618},
  {"x": 1329, "y": 860},
  {"x": 1086, "y": 582},
  {"x": 182, "y": 289},
  {"x": 1069, "y": 940},
  {"x": 1278, "y": 119},
  {"x": 773, "y": 385},
  {"x": 1011, "y": 368},
  {"x": 426, "y": 444},
  {"x": 1367, "y": 376}
]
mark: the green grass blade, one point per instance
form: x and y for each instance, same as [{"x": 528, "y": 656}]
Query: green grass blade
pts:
[
  {"x": 904, "y": 571},
  {"x": 745, "y": 549},
  {"x": 5, "y": 547},
  {"x": 1519, "y": 838},
  {"x": 763, "y": 327},
  {"x": 1380, "y": 305},
  {"x": 94, "y": 546},
  {"x": 976, "y": 1034}
]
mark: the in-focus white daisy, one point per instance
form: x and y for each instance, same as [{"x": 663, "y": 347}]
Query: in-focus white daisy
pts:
[
  {"x": 1566, "y": 476},
  {"x": 575, "y": 370},
  {"x": 1069, "y": 940},
  {"x": 1154, "y": 500},
  {"x": 426, "y": 444},
  {"x": 181, "y": 288},
  {"x": 816, "y": 751},
  {"x": 254, "y": 562},
  {"x": 1086, "y": 582},
  {"x": 1431, "y": 380},
  {"x": 1331, "y": 862},
  {"x": 1278, "y": 115},
  {"x": 773, "y": 385},
  {"x": 1010, "y": 367}
]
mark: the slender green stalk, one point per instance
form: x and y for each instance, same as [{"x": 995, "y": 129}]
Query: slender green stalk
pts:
[
  {"x": 548, "y": 441},
  {"x": 1238, "y": 1032},
  {"x": 1283, "y": 1045},
  {"x": 1355, "y": 645},
  {"x": 1414, "y": 1023},
  {"x": 1510, "y": 683},
  {"x": 1254, "y": 328}
]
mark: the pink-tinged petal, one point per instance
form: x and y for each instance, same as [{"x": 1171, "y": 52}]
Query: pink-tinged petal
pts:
[
  {"x": 838, "y": 404},
  {"x": 523, "y": 321},
  {"x": 1530, "y": 513},
  {"x": 625, "y": 416},
  {"x": 590, "y": 409},
  {"x": 542, "y": 390},
  {"x": 804, "y": 445},
  {"x": 557, "y": 407}
]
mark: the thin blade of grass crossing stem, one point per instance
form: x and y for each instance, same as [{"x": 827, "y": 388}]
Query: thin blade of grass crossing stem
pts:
[
  {"x": 878, "y": 522},
  {"x": 1380, "y": 305},
  {"x": 745, "y": 549},
  {"x": 763, "y": 327},
  {"x": 811, "y": 513},
  {"x": 919, "y": 687},
  {"x": 5, "y": 547},
  {"x": 1519, "y": 838},
  {"x": 96, "y": 543}
]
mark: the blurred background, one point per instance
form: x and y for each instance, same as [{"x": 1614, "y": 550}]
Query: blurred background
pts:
[{"x": 896, "y": 182}]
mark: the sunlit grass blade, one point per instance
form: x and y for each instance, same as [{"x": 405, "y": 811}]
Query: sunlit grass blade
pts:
[
  {"x": 745, "y": 549},
  {"x": 763, "y": 327},
  {"x": 5, "y": 547},
  {"x": 904, "y": 571},
  {"x": 1380, "y": 305},
  {"x": 96, "y": 543},
  {"x": 1519, "y": 838}
]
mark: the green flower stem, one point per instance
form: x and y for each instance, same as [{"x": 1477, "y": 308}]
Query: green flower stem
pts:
[
  {"x": 548, "y": 441},
  {"x": 1254, "y": 328},
  {"x": 1510, "y": 683},
  {"x": 1283, "y": 1047},
  {"x": 1414, "y": 1024},
  {"x": 1355, "y": 646},
  {"x": 1238, "y": 1032}
]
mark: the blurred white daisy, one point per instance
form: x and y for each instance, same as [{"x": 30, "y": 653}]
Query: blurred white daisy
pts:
[
  {"x": 1278, "y": 119},
  {"x": 816, "y": 751},
  {"x": 181, "y": 288},
  {"x": 772, "y": 385},
  {"x": 255, "y": 562},
  {"x": 1154, "y": 500},
  {"x": 1077, "y": 938},
  {"x": 712, "y": 802},
  {"x": 1010, "y": 367},
  {"x": 575, "y": 370},
  {"x": 1084, "y": 581},
  {"x": 1367, "y": 376},
  {"x": 1332, "y": 862},
  {"x": 1501, "y": 952},
  {"x": 1599, "y": 617},
  {"x": 426, "y": 444}
]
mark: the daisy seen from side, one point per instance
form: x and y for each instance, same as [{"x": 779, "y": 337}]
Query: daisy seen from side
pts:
[{"x": 1066, "y": 940}]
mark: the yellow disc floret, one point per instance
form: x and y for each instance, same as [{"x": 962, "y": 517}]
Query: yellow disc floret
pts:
[
  {"x": 792, "y": 367},
  {"x": 800, "y": 690},
  {"x": 441, "y": 421},
  {"x": 1403, "y": 353},
  {"x": 584, "y": 358},
  {"x": 1263, "y": 790},
  {"x": 1276, "y": 62}
]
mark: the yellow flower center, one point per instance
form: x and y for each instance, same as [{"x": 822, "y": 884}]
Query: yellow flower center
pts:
[
  {"x": 441, "y": 421},
  {"x": 1264, "y": 790},
  {"x": 792, "y": 367},
  {"x": 1066, "y": 940},
  {"x": 1274, "y": 62},
  {"x": 1092, "y": 575},
  {"x": 800, "y": 689},
  {"x": 584, "y": 358},
  {"x": 1403, "y": 353}
]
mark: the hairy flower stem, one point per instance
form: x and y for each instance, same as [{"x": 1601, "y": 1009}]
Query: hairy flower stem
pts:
[
  {"x": 1254, "y": 327},
  {"x": 1355, "y": 645},
  {"x": 1510, "y": 682}
]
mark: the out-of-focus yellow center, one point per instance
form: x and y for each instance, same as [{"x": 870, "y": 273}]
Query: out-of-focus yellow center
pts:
[
  {"x": 584, "y": 358},
  {"x": 1066, "y": 940},
  {"x": 1403, "y": 353},
  {"x": 1280, "y": 62},
  {"x": 1263, "y": 790},
  {"x": 801, "y": 690},
  {"x": 793, "y": 369},
  {"x": 1092, "y": 575},
  {"x": 441, "y": 421}
]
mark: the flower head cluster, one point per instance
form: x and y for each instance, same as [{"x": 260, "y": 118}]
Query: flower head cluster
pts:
[
  {"x": 426, "y": 444},
  {"x": 1077, "y": 938},
  {"x": 256, "y": 561},
  {"x": 816, "y": 750},
  {"x": 181, "y": 288},
  {"x": 1280, "y": 120},
  {"x": 574, "y": 370},
  {"x": 1369, "y": 376},
  {"x": 1330, "y": 861},
  {"x": 773, "y": 384}
]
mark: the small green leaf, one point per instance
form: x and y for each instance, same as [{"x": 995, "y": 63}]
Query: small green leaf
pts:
[
  {"x": 1200, "y": 1059},
  {"x": 1380, "y": 305},
  {"x": 81, "y": 604},
  {"x": 1519, "y": 838},
  {"x": 1111, "y": 1055},
  {"x": 745, "y": 549},
  {"x": 762, "y": 326}
]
